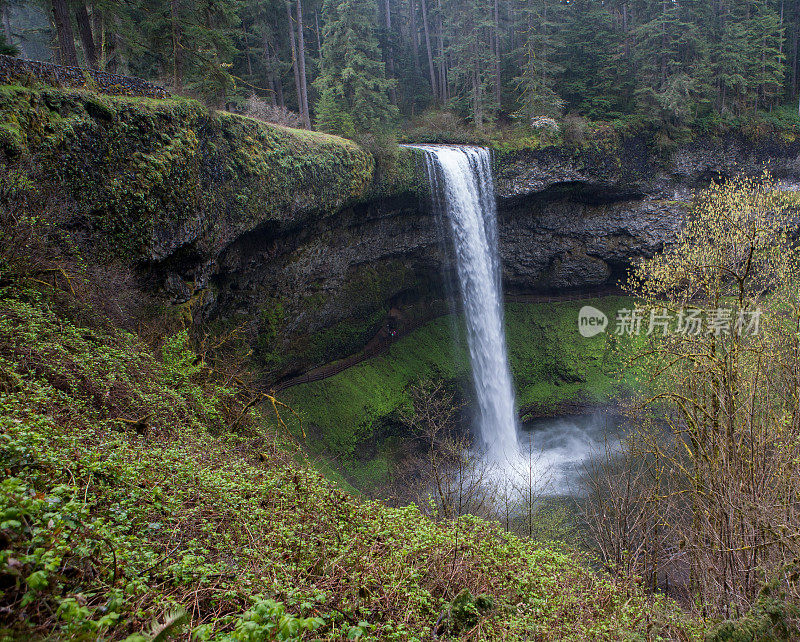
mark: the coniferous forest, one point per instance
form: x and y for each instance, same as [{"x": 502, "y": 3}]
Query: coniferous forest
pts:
[{"x": 358, "y": 66}]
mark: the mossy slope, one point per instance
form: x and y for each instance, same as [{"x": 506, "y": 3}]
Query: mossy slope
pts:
[
  {"x": 105, "y": 527},
  {"x": 551, "y": 363}
]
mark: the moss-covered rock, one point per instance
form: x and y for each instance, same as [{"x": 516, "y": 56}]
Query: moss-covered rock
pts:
[{"x": 155, "y": 176}]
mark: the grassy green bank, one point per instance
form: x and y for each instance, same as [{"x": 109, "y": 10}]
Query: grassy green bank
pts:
[
  {"x": 140, "y": 493},
  {"x": 552, "y": 365}
]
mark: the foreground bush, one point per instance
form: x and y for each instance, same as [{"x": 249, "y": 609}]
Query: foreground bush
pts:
[{"x": 704, "y": 497}]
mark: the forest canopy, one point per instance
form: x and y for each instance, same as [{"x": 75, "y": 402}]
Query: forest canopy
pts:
[{"x": 351, "y": 66}]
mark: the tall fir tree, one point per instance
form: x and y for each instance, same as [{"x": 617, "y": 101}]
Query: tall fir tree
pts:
[
  {"x": 542, "y": 49},
  {"x": 354, "y": 91},
  {"x": 470, "y": 25},
  {"x": 671, "y": 59}
]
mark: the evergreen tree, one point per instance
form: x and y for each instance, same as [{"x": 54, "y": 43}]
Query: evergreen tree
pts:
[
  {"x": 190, "y": 43},
  {"x": 470, "y": 25},
  {"x": 354, "y": 91},
  {"x": 596, "y": 77},
  {"x": 7, "y": 49},
  {"x": 542, "y": 48},
  {"x": 671, "y": 58},
  {"x": 765, "y": 68}
]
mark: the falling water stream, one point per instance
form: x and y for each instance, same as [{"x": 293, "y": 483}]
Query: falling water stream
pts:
[{"x": 463, "y": 191}]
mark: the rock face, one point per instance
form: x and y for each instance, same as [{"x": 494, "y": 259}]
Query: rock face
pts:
[
  {"x": 569, "y": 220},
  {"x": 292, "y": 237},
  {"x": 578, "y": 219}
]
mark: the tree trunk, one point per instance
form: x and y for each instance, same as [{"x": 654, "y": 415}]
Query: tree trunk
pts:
[
  {"x": 177, "y": 55},
  {"x": 301, "y": 55},
  {"x": 442, "y": 70},
  {"x": 498, "y": 90},
  {"x": 295, "y": 69},
  {"x": 273, "y": 99},
  {"x": 434, "y": 84},
  {"x": 389, "y": 54},
  {"x": 99, "y": 30},
  {"x": 478, "y": 100},
  {"x": 7, "y": 24},
  {"x": 412, "y": 9},
  {"x": 19, "y": 43},
  {"x": 274, "y": 68},
  {"x": 273, "y": 89},
  {"x": 276, "y": 77},
  {"x": 795, "y": 29},
  {"x": 319, "y": 42},
  {"x": 625, "y": 30},
  {"x": 85, "y": 32},
  {"x": 664, "y": 43},
  {"x": 66, "y": 40},
  {"x": 7, "y": 27},
  {"x": 247, "y": 52}
]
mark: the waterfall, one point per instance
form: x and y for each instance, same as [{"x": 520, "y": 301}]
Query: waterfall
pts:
[{"x": 463, "y": 194}]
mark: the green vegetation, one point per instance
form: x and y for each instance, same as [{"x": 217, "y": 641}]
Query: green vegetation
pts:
[
  {"x": 353, "y": 89},
  {"x": 141, "y": 495},
  {"x": 141, "y": 170},
  {"x": 552, "y": 365},
  {"x": 505, "y": 63},
  {"x": 716, "y": 434}
]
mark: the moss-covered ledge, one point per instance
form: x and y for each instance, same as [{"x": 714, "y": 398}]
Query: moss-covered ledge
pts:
[{"x": 157, "y": 176}]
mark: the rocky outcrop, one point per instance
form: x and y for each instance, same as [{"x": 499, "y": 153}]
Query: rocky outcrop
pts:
[
  {"x": 576, "y": 218},
  {"x": 570, "y": 220}
]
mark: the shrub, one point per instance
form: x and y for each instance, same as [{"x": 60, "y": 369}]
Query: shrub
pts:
[
  {"x": 574, "y": 129},
  {"x": 261, "y": 109},
  {"x": 440, "y": 126}
]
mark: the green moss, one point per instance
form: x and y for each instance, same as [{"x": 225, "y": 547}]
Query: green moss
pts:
[
  {"x": 349, "y": 407},
  {"x": 12, "y": 142},
  {"x": 345, "y": 337},
  {"x": 551, "y": 363},
  {"x": 271, "y": 321},
  {"x": 363, "y": 300},
  {"x": 91, "y": 505},
  {"x": 153, "y": 174}
]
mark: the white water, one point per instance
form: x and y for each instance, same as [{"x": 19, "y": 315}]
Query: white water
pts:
[
  {"x": 560, "y": 447},
  {"x": 463, "y": 189}
]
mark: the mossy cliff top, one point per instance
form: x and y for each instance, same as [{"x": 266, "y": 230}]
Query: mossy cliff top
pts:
[{"x": 158, "y": 176}]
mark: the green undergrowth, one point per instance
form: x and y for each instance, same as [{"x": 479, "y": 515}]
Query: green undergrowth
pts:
[
  {"x": 552, "y": 365},
  {"x": 134, "y": 499},
  {"x": 574, "y": 132}
]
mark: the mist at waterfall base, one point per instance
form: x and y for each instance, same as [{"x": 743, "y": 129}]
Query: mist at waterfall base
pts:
[
  {"x": 562, "y": 446},
  {"x": 547, "y": 455}
]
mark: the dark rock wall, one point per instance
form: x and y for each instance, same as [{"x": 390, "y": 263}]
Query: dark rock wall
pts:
[{"x": 570, "y": 220}]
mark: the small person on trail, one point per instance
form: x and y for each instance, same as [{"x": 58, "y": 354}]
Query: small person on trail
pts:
[{"x": 393, "y": 322}]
